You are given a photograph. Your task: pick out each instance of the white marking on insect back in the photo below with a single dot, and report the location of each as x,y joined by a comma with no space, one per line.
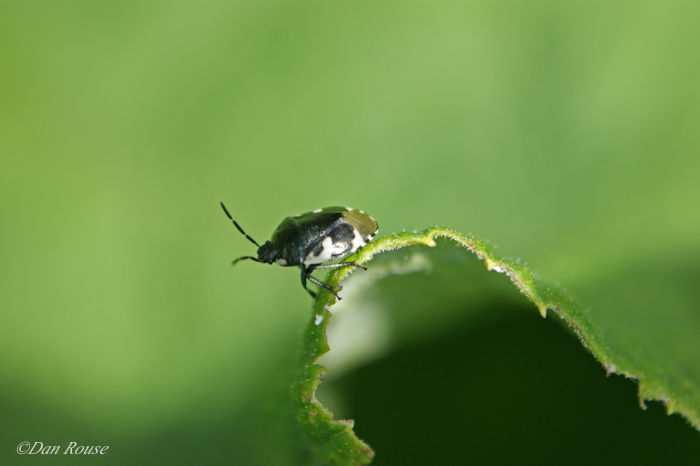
362,212
329,251
349,209
317,211
318,320
281,261
357,241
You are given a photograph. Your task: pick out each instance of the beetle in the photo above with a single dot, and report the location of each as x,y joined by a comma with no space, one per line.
312,239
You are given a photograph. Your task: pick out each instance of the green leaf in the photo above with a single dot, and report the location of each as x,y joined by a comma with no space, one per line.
334,441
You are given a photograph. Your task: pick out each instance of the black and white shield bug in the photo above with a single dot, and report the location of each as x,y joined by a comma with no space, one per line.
311,239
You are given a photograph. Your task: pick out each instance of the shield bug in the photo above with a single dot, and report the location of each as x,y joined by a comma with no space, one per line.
312,239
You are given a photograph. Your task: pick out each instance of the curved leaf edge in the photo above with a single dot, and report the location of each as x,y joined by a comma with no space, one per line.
335,441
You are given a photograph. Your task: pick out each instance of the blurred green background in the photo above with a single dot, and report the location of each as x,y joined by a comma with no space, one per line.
564,132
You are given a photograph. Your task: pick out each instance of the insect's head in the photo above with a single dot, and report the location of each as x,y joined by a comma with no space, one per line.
267,253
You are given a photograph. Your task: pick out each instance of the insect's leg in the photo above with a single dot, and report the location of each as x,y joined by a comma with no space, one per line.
304,274
341,264
325,285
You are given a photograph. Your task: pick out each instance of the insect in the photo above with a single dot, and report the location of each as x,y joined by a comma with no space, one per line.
311,239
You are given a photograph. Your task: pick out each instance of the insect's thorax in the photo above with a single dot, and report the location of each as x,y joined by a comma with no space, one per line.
289,243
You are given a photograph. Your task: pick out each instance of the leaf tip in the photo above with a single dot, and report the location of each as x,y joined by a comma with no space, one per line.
348,422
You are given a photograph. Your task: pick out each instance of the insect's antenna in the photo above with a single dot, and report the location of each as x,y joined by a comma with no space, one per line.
238,226
244,258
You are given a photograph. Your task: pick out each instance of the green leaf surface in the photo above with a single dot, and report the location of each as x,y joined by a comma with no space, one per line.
334,441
